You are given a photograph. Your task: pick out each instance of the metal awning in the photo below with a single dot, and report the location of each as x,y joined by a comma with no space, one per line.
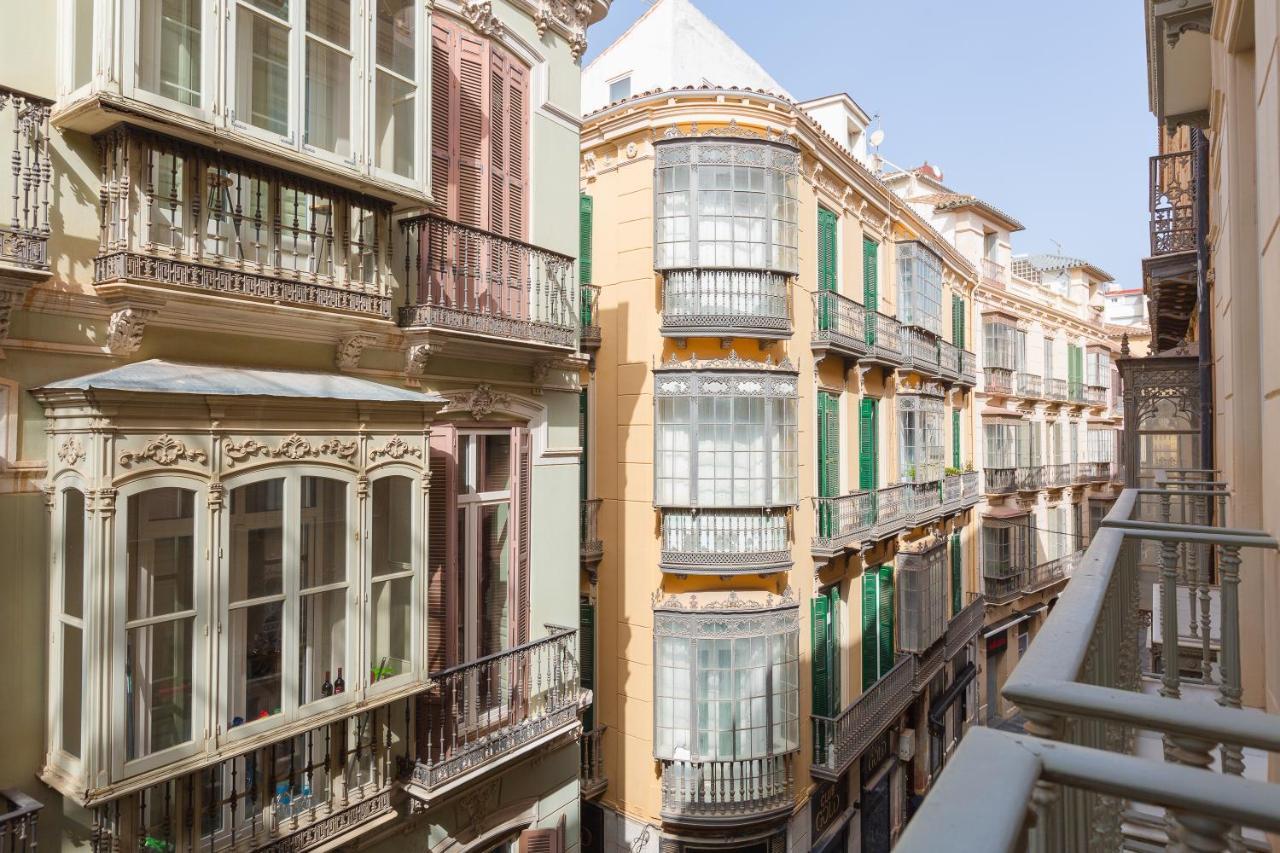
158,376
950,695
1011,620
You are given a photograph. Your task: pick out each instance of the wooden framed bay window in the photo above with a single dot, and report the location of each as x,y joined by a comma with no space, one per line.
70,619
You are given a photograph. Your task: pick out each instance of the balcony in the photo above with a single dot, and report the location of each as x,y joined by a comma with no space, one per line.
1096,395
188,229
968,369
997,381
1170,272
717,303
18,814
589,317
885,340
1172,203
1003,588
1127,746
994,274
1028,386
1059,476
839,741
948,361
481,286
591,778
858,518
965,626
1075,392
718,793
840,326
1055,390
999,481
1028,478
725,541
24,233
326,785
920,351
592,548
1050,572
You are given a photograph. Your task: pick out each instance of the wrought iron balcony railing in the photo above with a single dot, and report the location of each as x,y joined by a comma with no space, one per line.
490,707
994,274
1055,389
948,360
999,481
1029,478
190,219
1172,203
884,338
997,380
1059,475
1028,385
864,516
952,492
1096,395
588,316
725,541
1109,746
592,548
965,625
920,350
1075,391
722,303
1004,587
840,324
24,232
325,785
839,740
591,777
726,792
968,368
18,815
925,501
969,492
473,282
1051,571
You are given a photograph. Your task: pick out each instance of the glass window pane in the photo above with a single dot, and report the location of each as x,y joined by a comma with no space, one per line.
73,553
395,36
72,684
394,124
324,533
322,636
262,69
257,537
161,528
392,525
392,627
495,463
495,576
158,683
256,647
169,49
330,20
328,98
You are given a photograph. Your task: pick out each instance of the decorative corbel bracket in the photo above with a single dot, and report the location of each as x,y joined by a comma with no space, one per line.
350,347
416,358
125,329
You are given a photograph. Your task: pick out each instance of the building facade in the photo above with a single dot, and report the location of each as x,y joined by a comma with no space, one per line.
288,410
786,603
1047,410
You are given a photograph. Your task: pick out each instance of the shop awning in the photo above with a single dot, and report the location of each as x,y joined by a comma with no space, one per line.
949,696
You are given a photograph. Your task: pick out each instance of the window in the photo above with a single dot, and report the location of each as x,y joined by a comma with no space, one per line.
1002,444
392,597
869,443
958,311
1029,443
726,685
920,432
1000,339
486,551
396,104
877,624
957,574
989,245
922,590
620,89
69,636
828,444
479,130
1098,369
171,50
726,204
1005,547
725,439
828,250
1048,359
826,666
919,287
1101,444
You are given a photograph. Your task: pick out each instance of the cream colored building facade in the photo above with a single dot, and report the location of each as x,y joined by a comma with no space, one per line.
288,423
786,481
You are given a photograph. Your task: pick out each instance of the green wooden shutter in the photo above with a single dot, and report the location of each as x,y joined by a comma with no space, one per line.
820,659
870,285
585,209
584,436
826,249
870,627
957,578
833,645
886,619
868,456
957,320
828,445
955,438
587,654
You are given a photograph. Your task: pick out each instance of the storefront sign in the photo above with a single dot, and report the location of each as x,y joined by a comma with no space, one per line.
827,804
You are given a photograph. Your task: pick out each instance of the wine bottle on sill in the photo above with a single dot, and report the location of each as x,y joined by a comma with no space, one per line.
339,686
326,689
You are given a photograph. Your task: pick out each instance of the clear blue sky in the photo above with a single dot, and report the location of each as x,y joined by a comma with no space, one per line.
1038,107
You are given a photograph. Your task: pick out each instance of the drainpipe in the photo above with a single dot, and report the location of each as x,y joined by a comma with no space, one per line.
1200,155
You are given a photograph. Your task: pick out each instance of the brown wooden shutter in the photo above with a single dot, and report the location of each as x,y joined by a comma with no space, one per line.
508,83
439,528
544,840
524,508
444,97
473,127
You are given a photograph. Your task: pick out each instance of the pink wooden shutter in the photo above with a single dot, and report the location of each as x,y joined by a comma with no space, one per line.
524,508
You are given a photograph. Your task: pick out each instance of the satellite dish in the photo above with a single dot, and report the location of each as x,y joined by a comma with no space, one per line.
877,136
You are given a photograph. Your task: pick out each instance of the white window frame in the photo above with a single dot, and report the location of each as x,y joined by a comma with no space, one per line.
235,79
418,522
290,710
131,47
120,767
368,72
57,755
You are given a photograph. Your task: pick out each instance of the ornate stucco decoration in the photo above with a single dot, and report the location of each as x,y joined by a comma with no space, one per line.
125,328
395,448
568,17
479,13
70,451
478,803
294,447
733,601
730,362
416,358
8,301
350,347
164,450
481,402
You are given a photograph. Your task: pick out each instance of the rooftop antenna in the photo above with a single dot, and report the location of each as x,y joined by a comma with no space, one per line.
877,135
1056,244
